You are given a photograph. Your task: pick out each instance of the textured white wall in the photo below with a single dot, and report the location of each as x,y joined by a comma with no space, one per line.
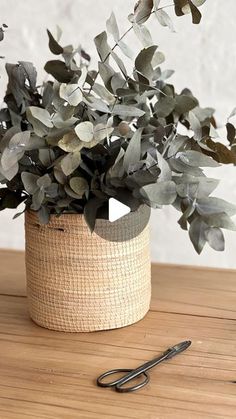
204,58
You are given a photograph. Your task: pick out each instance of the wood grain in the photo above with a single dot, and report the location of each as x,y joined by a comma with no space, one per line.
51,375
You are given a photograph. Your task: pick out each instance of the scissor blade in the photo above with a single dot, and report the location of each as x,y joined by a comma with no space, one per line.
177,349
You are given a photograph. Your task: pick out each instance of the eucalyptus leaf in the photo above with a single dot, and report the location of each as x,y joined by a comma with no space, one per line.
143,61
186,6
197,233
166,173
195,187
11,172
103,93
41,115
166,74
79,185
55,48
220,220
106,72
59,71
142,11
120,63
143,35
102,131
59,176
46,156
44,215
70,162
44,181
90,211
59,122
70,142
163,193
196,159
10,158
164,19
37,199
185,103
30,182
112,27
212,205
231,132
196,14
159,58
127,51
71,93
127,111
85,131
133,151
215,238
71,193
164,106
102,46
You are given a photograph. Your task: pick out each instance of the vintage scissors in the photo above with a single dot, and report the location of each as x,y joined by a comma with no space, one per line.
118,384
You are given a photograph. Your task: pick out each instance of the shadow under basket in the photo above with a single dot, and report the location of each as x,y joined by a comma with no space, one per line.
81,282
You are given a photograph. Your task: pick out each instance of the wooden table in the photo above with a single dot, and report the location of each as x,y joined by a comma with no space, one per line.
50,375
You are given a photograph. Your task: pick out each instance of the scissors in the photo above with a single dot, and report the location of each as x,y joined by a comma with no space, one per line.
119,384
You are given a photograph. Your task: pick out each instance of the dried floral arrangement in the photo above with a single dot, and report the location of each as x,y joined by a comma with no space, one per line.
85,136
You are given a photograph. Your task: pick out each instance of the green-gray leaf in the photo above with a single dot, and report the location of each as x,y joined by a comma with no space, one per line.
59,71
37,199
185,103
211,205
30,182
55,48
143,61
215,238
162,193
143,35
127,111
90,211
221,220
142,10
197,234
195,126
164,19
196,159
79,185
164,106
84,131
102,46
133,151
71,93
44,181
112,27
70,162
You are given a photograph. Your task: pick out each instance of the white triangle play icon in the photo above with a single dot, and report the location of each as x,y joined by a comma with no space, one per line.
117,209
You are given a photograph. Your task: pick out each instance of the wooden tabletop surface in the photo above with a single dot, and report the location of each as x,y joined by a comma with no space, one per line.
51,375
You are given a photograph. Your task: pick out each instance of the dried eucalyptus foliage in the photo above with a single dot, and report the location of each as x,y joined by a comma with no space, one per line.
85,136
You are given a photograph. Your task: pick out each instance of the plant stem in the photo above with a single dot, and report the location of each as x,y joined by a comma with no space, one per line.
122,37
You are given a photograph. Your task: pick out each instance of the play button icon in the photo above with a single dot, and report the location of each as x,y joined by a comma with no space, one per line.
116,210
116,227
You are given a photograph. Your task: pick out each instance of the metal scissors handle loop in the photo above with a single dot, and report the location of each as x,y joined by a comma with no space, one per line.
119,383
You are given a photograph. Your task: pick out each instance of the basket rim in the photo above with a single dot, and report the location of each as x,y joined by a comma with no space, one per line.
73,215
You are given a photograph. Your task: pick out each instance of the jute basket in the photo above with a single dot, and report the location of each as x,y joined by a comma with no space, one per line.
78,281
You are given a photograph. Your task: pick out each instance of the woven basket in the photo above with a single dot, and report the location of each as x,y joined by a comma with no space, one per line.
78,281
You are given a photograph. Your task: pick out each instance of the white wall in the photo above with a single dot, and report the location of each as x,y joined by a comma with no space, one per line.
204,58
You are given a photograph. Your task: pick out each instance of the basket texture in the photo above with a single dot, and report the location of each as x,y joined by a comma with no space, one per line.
80,282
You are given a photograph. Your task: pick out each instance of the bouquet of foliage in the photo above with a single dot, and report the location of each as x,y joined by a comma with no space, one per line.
85,136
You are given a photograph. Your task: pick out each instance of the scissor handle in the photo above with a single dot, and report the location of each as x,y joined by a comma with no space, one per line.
111,372
120,382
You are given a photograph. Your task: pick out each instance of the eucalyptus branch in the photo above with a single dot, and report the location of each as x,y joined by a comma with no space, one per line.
122,37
